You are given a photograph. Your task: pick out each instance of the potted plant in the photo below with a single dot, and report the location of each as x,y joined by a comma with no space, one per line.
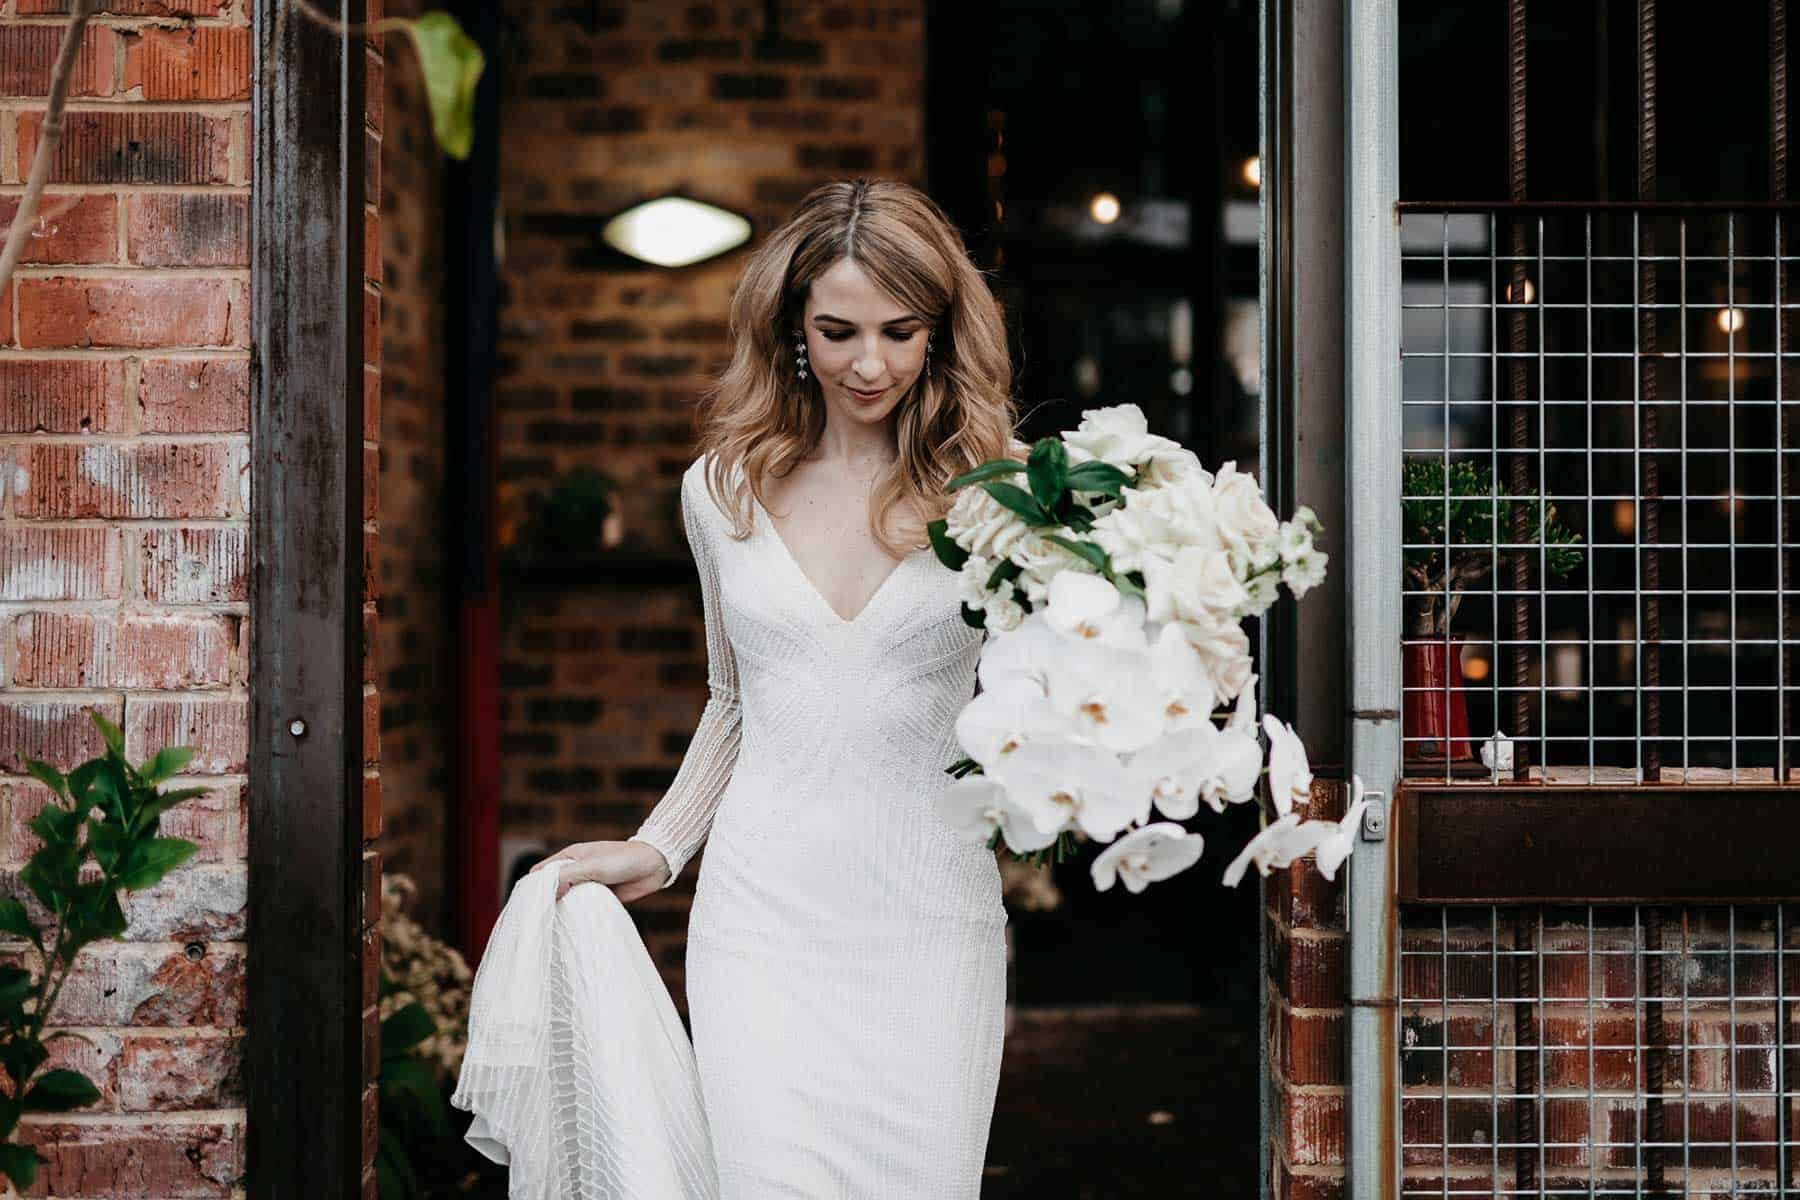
1452,521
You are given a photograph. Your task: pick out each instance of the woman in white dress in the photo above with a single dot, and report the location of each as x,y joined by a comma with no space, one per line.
845,958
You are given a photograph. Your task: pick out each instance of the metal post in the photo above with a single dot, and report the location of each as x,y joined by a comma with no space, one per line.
1372,551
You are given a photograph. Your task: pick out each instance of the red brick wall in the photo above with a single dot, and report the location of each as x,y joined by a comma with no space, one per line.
413,651
1307,1032
607,105
124,420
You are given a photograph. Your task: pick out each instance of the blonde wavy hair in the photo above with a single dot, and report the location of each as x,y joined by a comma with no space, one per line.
758,415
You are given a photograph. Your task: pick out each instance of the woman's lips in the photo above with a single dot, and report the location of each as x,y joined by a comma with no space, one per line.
862,395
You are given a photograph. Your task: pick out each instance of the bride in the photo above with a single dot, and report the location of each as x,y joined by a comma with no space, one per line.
845,954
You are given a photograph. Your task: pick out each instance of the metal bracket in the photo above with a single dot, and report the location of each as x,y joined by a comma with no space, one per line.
1375,818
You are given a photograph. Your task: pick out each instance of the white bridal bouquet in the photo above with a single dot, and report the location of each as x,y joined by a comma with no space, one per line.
1114,587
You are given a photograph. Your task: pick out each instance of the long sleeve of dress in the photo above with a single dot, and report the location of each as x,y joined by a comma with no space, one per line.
681,819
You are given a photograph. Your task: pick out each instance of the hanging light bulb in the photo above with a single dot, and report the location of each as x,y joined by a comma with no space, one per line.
1252,170
1104,208
675,231
1731,320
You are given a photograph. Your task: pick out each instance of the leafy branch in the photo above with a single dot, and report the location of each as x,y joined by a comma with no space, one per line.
120,808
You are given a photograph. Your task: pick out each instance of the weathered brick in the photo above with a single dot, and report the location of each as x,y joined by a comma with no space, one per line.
371,726
53,649
374,93
1313,1046
60,564
28,54
54,729
131,8
218,728
68,229
195,395
194,903
140,311
210,62
133,1159
196,565
372,260
95,1054
62,395
152,984
1312,1126
144,479
181,229
133,147
172,1071
215,822
371,807
371,482
371,327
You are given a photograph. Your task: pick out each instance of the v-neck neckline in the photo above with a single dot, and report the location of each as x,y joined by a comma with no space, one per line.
881,588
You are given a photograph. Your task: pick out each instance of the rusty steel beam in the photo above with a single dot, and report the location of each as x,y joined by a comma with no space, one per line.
1598,845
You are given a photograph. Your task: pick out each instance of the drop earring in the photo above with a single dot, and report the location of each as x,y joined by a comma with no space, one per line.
927,369
800,352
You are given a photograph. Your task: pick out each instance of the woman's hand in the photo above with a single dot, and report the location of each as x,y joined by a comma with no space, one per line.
632,869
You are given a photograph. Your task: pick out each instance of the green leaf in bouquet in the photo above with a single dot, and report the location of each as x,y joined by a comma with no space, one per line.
1047,469
20,1164
1093,554
166,764
111,734
15,920
1005,571
1078,517
1097,476
1019,501
59,1091
993,468
963,766
975,618
148,862
946,549
1130,584
405,1028
48,775
451,62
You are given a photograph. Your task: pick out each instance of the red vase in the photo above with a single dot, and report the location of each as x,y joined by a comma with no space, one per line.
1434,706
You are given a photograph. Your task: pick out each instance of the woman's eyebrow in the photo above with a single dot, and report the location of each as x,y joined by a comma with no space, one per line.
840,321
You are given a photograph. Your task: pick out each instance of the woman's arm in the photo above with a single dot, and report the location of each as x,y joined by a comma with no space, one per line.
681,819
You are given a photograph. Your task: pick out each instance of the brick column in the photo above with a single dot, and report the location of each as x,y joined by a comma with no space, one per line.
1307,1029
124,429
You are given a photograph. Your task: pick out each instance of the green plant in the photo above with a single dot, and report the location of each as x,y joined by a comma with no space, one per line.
1457,526
570,517
411,1107
120,809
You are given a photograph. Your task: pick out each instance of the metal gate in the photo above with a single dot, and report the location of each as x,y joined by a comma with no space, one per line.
1573,449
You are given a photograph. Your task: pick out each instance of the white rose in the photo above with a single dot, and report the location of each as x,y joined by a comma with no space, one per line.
971,581
1198,584
1224,650
982,525
1242,513
1003,612
1175,467
1119,435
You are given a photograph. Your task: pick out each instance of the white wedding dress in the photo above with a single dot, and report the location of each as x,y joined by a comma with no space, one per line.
846,952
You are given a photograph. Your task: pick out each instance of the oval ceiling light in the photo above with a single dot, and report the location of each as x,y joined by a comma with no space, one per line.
675,232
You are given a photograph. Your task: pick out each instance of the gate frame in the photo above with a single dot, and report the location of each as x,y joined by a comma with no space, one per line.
305,969
1371,318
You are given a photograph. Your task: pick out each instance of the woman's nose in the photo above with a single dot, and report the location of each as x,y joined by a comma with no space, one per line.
868,368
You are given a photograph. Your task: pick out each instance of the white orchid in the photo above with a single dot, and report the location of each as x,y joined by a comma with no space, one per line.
1337,839
1006,716
1076,785
975,806
1195,764
1145,856
1119,435
1278,845
1025,652
1182,681
1091,609
1290,776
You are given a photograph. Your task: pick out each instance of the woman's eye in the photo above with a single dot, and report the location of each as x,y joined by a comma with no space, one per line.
906,336
835,337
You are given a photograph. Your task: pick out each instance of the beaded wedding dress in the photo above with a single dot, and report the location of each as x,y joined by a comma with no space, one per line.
846,953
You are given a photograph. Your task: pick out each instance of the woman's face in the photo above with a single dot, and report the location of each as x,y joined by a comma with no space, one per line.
864,349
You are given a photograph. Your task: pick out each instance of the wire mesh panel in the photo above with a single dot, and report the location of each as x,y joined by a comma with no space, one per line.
1598,1051
1597,494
